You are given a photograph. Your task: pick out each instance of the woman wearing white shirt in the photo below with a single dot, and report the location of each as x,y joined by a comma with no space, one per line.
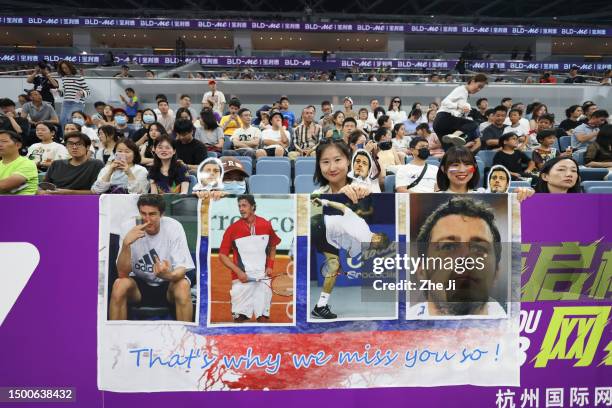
45,152
450,122
123,174
395,111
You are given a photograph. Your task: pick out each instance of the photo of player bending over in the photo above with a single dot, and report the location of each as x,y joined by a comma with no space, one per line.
152,263
251,241
338,227
460,227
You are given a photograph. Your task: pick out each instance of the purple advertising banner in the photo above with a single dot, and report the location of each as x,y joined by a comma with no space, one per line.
49,335
446,29
300,62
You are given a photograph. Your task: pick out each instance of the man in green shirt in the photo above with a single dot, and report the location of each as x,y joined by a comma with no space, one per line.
18,175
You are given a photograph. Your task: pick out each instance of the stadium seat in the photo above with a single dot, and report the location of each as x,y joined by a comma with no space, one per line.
600,190
274,167
390,183
269,184
212,154
564,142
185,206
588,174
487,157
586,185
304,184
520,183
305,167
192,182
433,161
579,157
273,158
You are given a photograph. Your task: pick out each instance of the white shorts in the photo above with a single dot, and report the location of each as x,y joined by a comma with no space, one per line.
250,298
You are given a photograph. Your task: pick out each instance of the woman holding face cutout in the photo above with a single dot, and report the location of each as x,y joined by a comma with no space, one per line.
210,175
363,170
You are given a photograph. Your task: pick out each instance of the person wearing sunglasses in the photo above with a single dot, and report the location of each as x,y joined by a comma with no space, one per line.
395,111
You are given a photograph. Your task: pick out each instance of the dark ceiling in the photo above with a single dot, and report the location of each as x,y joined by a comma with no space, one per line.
551,12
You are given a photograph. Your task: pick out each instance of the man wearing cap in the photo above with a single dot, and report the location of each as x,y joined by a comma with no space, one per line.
77,174
348,108
275,139
284,110
121,121
234,176
214,97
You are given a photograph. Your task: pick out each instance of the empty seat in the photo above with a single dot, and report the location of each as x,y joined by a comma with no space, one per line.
586,185
600,190
588,174
269,184
487,157
390,183
520,183
274,167
304,184
193,180
565,142
305,167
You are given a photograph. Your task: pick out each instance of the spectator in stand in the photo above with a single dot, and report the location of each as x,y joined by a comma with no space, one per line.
348,126
506,103
189,150
539,109
185,102
435,147
586,133
412,122
276,139
37,111
335,133
607,78
573,114
490,114
97,117
167,175
588,108
43,82
77,174
165,117
559,176
149,74
372,117
123,174
326,120
401,141
599,153
9,120
108,140
158,112
146,149
22,99
548,78
520,126
362,121
183,113
573,77
108,116
417,176
307,135
358,140
230,122
81,119
458,172
246,139
131,104
287,114
545,151
387,158
490,136
215,97
124,73
46,151
395,111
74,89
518,163
479,112
210,133
121,124
348,108
148,118
18,175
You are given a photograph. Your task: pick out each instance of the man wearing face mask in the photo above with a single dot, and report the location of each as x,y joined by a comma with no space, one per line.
234,176
418,176
121,121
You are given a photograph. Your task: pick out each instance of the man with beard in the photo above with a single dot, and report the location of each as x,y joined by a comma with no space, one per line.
460,228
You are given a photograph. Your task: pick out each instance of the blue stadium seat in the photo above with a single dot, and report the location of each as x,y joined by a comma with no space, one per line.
487,157
390,183
481,172
193,180
520,183
274,167
433,161
579,157
269,184
600,190
588,174
565,142
586,185
304,184
273,158
212,154
305,167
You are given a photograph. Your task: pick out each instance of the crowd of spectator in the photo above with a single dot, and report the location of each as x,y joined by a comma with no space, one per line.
136,149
